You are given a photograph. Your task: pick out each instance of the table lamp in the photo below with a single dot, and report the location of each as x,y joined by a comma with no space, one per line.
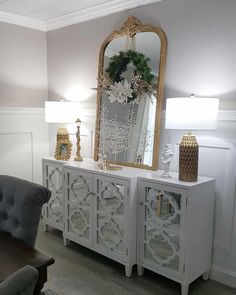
190,113
63,112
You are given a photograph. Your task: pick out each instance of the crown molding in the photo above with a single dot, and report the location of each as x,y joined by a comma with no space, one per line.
107,8
18,20
93,12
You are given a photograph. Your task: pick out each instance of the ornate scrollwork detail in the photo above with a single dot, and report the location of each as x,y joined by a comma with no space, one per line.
55,207
110,234
80,189
78,221
131,27
111,197
161,238
154,209
57,173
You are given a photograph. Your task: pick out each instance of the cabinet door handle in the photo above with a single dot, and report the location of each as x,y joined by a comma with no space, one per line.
141,203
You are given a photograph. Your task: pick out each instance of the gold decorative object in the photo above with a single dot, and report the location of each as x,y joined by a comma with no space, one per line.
132,27
188,158
78,156
63,146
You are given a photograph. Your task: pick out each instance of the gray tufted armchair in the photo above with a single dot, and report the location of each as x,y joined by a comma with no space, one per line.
22,282
20,208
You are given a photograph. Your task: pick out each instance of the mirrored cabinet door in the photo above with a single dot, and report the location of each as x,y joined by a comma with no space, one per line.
162,212
78,207
110,207
53,211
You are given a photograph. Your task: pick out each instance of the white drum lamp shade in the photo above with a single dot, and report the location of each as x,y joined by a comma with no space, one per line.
190,113
64,112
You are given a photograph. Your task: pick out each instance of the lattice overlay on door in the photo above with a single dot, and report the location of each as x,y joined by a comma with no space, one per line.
110,216
162,227
55,184
79,207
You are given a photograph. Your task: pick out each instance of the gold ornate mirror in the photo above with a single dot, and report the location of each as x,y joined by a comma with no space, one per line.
129,96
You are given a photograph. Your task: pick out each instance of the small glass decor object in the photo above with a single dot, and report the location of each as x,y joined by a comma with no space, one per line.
78,156
166,157
101,162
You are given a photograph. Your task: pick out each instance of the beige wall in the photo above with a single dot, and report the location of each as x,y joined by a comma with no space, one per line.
201,48
201,53
23,66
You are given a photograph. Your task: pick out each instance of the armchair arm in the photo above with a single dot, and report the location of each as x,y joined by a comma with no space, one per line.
22,282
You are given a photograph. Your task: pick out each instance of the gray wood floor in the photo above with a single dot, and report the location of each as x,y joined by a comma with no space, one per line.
79,271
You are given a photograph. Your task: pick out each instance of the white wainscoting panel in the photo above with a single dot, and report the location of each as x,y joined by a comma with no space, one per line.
23,142
217,158
16,154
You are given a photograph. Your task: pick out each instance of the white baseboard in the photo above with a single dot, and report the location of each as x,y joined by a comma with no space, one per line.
223,276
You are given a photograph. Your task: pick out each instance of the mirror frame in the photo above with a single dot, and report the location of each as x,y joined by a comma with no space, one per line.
131,27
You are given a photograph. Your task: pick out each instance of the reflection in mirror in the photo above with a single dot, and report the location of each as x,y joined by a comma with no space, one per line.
130,86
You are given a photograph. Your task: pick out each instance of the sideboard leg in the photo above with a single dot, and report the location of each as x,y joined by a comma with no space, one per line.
45,227
128,270
140,270
205,276
184,289
66,242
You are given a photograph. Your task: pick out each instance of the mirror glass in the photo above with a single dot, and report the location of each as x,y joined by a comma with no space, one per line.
129,99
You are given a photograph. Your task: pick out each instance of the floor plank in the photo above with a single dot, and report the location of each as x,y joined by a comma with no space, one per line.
79,271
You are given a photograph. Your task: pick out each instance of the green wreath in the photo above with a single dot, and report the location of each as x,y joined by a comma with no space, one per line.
118,65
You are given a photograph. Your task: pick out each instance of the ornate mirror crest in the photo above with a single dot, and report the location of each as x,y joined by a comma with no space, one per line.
129,95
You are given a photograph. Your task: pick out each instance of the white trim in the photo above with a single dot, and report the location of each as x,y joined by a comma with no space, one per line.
21,111
82,15
96,11
223,276
227,115
23,21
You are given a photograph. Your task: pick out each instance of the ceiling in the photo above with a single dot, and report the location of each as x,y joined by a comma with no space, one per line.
48,15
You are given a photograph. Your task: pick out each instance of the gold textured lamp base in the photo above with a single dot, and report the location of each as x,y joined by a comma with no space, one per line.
188,159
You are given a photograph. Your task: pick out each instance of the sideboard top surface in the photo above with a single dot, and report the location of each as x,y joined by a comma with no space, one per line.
129,173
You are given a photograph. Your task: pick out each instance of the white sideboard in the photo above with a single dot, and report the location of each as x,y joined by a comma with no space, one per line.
53,178
176,228
133,216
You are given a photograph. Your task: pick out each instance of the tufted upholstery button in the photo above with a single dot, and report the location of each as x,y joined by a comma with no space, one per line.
20,207
3,215
15,222
11,201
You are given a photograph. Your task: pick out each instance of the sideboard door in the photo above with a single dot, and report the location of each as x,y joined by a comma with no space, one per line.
162,228
111,203
78,206
53,211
